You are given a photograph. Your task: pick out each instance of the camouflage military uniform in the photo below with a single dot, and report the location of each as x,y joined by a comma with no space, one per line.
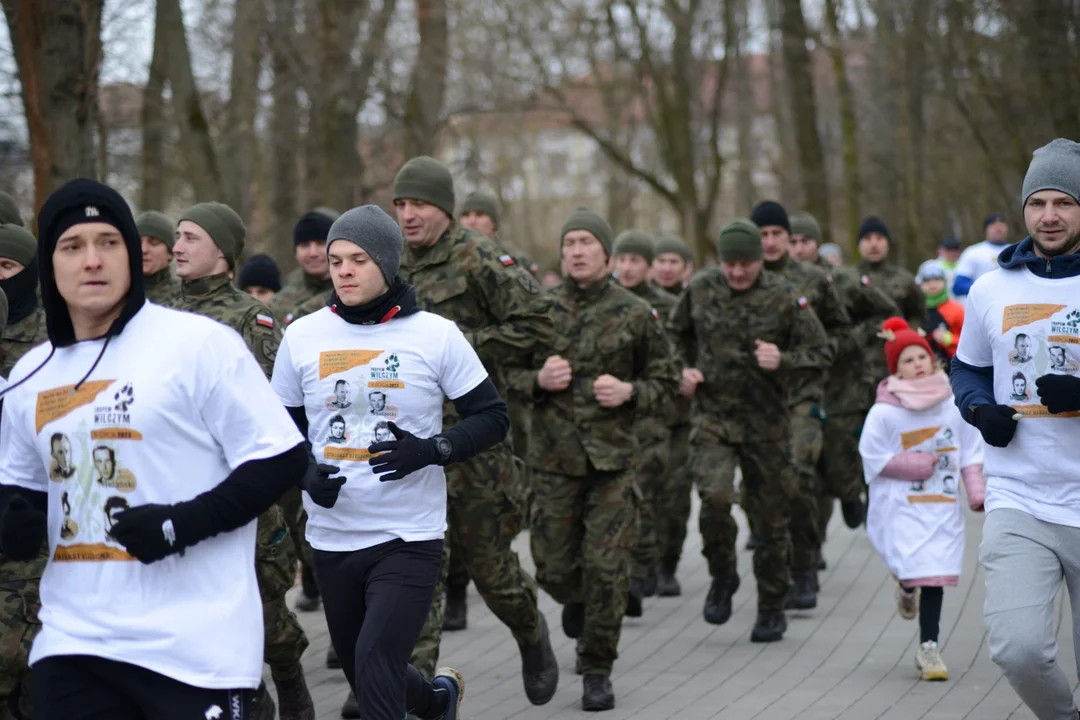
741,414
162,286
583,456
807,408
653,435
299,288
499,308
19,581
216,297
852,381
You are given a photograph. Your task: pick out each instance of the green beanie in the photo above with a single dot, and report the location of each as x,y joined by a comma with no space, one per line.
483,202
9,210
3,310
224,226
671,244
16,243
803,223
157,225
585,219
425,178
634,242
740,240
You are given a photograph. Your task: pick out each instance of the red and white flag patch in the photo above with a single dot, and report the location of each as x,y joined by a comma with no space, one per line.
506,260
804,303
866,280
655,314
264,320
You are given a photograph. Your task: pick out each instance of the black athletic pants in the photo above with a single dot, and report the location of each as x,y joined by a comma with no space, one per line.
85,687
376,601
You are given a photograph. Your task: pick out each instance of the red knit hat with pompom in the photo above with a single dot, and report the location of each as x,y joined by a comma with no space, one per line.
899,335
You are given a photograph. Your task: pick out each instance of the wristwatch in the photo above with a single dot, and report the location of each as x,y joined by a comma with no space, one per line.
633,396
445,448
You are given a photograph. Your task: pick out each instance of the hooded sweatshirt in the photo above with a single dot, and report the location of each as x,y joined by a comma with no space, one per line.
915,451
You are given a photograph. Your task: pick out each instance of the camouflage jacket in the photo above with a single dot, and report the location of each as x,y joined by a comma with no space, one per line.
216,297
520,256
467,278
604,330
162,286
299,288
814,285
678,409
312,304
852,381
714,329
19,337
898,284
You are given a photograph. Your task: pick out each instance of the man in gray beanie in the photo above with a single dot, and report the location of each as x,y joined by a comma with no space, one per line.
374,231
464,276
1031,534
158,233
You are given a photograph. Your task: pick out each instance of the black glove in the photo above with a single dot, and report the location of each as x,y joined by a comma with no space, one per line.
405,455
23,529
322,488
1059,393
150,532
996,423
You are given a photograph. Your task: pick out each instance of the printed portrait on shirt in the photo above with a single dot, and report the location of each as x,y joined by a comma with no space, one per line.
379,404
341,399
114,505
1060,363
61,464
337,434
1020,392
382,432
948,485
68,529
1022,351
108,472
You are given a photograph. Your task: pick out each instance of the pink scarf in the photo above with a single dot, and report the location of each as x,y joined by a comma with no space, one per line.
921,394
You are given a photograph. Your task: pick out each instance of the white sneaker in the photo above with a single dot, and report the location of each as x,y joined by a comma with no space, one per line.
907,603
929,663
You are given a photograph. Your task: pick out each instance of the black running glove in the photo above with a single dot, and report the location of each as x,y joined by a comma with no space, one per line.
151,532
995,422
322,488
23,529
406,454
1059,393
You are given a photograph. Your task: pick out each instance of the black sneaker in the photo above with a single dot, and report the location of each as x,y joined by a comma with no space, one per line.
854,512
651,583
667,585
573,620
598,694
770,626
455,615
718,603
802,595
634,607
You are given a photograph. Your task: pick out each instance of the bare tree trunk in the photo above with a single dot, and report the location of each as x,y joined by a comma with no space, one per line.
800,75
849,130
102,147
196,144
57,47
284,133
745,192
239,131
788,171
153,126
428,84
915,125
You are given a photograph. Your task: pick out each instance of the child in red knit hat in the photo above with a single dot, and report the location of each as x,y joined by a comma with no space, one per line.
915,447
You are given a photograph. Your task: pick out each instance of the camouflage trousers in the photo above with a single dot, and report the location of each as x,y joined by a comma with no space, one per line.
583,532
19,625
651,476
673,503
483,513
275,568
292,506
841,465
770,482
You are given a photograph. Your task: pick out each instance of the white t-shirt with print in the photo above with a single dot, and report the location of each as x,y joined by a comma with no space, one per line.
918,527
176,403
1025,326
978,260
354,379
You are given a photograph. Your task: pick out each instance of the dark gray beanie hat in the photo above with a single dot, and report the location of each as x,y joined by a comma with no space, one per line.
634,242
425,178
369,227
483,202
1054,166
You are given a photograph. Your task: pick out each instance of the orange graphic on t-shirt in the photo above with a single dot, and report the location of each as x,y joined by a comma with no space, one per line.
1041,411
340,453
915,437
932,499
386,384
115,433
59,402
89,552
1063,339
336,361
1017,315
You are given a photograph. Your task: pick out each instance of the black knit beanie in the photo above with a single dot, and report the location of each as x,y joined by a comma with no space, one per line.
874,225
770,212
260,271
315,225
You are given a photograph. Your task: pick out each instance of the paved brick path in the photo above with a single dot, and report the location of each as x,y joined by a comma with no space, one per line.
850,659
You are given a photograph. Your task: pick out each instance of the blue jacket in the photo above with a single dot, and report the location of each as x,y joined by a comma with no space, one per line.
974,385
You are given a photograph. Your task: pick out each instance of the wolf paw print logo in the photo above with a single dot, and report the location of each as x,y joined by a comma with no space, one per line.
1073,319
124,397
392,363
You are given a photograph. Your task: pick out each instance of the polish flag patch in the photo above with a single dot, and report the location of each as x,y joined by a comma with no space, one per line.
264,320
506,260
803,302
655,314
866,280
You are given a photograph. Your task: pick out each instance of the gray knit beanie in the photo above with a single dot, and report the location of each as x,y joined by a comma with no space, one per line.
369,227
1055,166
